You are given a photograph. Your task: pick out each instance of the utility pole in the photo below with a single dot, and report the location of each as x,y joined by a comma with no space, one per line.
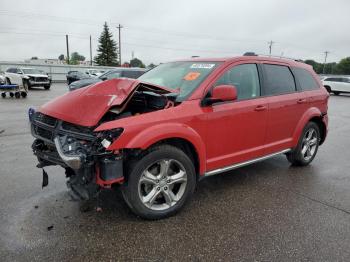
90,52
120,45
270,46
67,45
325,60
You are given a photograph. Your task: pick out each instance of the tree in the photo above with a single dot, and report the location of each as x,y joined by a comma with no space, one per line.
317,66
151,65
61,57
343,67
107,49
75,58
136,63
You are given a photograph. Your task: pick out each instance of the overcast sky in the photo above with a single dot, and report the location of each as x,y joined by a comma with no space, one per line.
159,30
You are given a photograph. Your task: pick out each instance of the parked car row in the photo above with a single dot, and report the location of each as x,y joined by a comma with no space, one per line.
76,80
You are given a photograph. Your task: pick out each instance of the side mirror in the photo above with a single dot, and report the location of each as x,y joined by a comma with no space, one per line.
222,93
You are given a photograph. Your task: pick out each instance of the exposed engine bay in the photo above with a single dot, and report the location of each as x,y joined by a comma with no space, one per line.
83,153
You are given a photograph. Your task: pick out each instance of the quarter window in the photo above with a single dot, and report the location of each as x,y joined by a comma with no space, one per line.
245,78
306,81
279,80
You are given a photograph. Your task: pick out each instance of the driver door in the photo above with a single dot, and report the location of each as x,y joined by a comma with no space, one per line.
236,130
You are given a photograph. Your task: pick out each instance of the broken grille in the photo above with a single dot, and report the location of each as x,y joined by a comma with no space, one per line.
45,119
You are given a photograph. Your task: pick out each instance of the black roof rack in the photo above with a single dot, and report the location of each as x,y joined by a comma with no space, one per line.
250,54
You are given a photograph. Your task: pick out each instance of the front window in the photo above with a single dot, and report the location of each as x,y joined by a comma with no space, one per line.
245,78
184,77
31,71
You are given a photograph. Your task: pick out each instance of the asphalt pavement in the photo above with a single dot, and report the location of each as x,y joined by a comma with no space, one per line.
269,211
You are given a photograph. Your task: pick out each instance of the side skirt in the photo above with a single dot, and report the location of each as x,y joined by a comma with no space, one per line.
246,163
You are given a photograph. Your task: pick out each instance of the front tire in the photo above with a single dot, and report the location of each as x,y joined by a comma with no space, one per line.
336,93
47,87
159,183
307,147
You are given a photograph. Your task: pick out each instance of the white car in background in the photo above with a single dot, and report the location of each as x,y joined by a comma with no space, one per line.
337,84
28,77
93,72
2,78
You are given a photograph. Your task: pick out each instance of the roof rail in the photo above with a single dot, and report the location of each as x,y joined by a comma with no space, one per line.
283,57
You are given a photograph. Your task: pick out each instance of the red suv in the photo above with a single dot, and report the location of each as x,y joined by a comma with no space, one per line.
158,135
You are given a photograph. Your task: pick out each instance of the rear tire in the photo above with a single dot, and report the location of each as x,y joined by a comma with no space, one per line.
17,95
159,183
3,95
7,81
336,93
47,87
307,147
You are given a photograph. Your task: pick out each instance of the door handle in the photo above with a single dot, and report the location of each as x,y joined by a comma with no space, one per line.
260,108
301,101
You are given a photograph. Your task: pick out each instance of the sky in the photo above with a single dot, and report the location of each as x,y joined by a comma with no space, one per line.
157,31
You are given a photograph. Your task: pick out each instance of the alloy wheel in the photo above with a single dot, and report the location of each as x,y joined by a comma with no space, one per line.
162,184
309,144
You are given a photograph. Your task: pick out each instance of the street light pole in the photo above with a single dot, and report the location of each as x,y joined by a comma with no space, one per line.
120,44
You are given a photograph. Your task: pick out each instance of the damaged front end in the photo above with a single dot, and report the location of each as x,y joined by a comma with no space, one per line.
64,132
89,166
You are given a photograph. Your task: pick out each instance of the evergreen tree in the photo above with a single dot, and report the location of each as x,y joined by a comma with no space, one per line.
107,49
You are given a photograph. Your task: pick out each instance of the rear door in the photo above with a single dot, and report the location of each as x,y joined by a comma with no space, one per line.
286,106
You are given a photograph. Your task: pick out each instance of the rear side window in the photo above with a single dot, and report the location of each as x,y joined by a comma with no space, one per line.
306,81
279,80
245,78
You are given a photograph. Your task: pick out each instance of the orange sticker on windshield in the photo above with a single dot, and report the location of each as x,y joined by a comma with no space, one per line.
192,76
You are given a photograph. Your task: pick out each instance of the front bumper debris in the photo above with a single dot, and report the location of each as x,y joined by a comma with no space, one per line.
88,165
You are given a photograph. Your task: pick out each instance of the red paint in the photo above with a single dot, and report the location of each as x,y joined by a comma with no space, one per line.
222,134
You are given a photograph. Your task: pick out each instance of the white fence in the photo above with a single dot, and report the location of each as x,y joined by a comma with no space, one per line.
57,72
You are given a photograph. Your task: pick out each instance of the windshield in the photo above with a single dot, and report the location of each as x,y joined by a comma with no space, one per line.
31,71
110,75
182,76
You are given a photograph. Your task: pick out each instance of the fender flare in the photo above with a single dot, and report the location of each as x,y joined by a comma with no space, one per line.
154,134
307,116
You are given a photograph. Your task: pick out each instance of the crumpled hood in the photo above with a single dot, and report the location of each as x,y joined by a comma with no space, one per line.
87,105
